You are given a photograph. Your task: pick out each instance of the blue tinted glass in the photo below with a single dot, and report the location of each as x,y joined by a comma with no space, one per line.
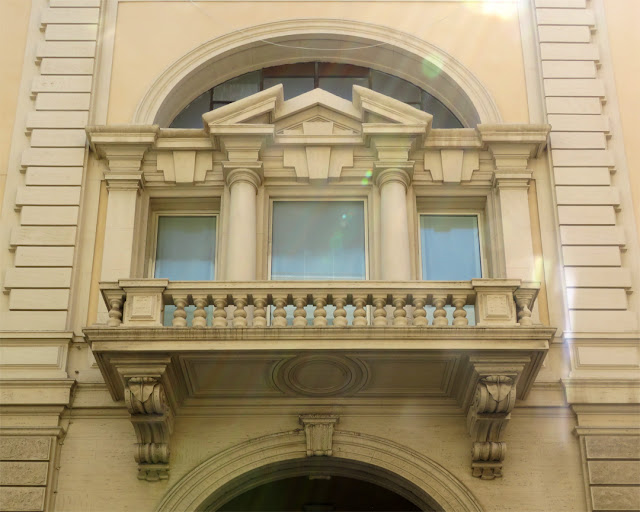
318,240
186,248
450,247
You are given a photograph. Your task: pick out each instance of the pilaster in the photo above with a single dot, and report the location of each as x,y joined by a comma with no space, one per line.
511,148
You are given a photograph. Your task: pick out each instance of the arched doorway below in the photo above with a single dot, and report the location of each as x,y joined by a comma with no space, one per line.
319,484
319,493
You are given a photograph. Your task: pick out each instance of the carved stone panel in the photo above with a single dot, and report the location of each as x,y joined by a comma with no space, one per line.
318,430
152,421
487,419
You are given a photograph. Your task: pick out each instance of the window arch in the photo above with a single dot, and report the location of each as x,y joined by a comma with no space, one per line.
302,77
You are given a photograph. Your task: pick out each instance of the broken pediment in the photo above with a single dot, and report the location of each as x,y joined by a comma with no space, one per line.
318,105
317,130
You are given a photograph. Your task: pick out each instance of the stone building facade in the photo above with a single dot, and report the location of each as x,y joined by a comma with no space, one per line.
233,255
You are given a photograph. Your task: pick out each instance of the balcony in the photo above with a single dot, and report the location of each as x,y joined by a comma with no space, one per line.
336,342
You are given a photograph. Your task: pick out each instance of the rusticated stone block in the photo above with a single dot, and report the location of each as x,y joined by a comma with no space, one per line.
615,498
24,448
623,472
23,473
22,499
613,447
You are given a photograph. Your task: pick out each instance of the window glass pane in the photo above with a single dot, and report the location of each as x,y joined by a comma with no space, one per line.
340,70
450,247
395,87
318,240
186,248
292,86
442,116
297,69
342,86
191,116
237,88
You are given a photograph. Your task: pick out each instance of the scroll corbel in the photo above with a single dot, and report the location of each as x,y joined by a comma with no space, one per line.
487,419
152,420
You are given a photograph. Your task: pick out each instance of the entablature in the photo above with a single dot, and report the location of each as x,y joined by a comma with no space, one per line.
319,137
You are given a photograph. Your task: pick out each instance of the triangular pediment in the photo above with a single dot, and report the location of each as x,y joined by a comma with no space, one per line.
267,111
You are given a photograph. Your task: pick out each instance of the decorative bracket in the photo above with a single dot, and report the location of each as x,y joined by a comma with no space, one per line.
318,430
487,419
145,396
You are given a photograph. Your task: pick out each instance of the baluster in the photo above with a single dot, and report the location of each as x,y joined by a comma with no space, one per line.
320,314
200,315
115,313
300,315
440,315
220,313
179,315
259,312
460,314
400,315
419,313
240,314
340,314
379,314
360,314
524,313
279,313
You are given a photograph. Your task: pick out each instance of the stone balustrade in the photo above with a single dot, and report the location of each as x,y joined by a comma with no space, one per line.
317,304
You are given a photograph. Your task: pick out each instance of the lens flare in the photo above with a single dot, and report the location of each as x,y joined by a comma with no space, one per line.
503,9
433,67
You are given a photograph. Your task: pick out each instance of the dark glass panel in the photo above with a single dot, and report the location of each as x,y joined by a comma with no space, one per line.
293,86
191,115
340,70
237,88
342,86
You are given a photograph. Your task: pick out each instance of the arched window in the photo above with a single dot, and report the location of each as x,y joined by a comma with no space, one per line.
302,77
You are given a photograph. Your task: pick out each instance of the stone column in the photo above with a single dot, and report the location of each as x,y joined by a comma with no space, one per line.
241,238
395,261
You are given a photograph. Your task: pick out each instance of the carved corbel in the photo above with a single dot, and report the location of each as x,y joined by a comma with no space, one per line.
487,419
318,430
151,405
152,421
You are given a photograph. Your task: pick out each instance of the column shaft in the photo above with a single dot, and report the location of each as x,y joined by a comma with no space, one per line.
395,261
241,239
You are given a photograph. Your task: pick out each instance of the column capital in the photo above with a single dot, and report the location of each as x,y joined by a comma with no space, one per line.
512,146
384,173
123,147
248,172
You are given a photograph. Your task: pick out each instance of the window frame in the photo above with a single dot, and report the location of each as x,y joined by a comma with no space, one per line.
479,213
186,211
319,198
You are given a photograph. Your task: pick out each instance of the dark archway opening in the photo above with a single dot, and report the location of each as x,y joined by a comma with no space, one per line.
319,493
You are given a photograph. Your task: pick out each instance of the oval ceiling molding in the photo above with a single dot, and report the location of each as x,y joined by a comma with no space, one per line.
320,375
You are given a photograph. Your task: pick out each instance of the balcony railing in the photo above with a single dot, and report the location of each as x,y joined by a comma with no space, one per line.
262,304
